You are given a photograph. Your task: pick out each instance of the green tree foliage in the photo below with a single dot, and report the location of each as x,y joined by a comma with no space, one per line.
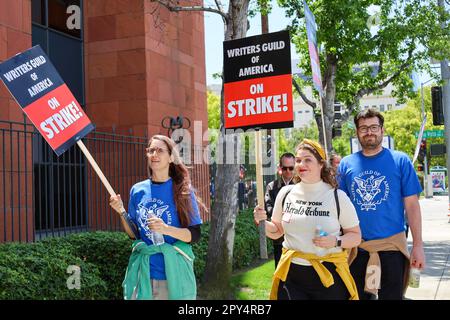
361,54
341,144
213,105
401,125
287,142
213,102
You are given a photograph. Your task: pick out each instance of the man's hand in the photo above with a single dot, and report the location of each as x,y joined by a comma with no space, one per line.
417,258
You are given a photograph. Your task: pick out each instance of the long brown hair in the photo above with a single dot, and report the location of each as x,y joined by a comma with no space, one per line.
182,188
326,174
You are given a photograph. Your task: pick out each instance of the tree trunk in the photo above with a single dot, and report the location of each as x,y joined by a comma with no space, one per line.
223,216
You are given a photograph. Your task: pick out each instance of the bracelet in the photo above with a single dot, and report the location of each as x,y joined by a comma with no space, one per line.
124,215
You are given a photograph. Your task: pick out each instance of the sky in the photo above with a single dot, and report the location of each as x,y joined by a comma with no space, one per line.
214,32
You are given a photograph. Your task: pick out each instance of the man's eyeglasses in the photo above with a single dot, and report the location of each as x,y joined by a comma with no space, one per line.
373,128
158,150
287,168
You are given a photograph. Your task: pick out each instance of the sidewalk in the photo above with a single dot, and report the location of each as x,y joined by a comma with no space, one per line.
435,279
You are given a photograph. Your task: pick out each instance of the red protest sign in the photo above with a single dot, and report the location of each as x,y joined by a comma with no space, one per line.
258,82
259,101
44,97
58,116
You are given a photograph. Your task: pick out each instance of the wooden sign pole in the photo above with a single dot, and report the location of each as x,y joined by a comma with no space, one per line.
97,169
260,194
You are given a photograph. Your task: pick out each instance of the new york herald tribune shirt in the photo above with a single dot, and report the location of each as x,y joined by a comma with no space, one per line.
305,207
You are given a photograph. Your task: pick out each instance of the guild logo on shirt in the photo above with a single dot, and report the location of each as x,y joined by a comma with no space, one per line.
369,189
152,207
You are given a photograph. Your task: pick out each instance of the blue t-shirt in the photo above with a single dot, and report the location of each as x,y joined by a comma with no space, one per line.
377,185
162,203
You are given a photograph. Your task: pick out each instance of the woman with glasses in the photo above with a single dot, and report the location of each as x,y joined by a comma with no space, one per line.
311,215
164,218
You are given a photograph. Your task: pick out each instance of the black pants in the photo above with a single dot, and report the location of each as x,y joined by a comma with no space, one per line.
392,274
303,283
277,250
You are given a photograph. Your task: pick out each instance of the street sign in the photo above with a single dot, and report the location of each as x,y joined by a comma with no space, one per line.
431,134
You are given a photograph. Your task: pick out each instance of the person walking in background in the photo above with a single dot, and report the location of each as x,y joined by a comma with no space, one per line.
286,171
382,184
163,211
241,195
335,159
311,215
251,194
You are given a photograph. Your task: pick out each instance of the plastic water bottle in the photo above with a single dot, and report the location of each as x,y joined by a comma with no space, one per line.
414,277
156,237
320,233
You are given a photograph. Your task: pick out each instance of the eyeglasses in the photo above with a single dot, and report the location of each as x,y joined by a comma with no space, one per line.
287,168
158,150
373,128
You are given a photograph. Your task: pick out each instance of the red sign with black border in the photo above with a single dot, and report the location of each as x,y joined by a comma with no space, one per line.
45,98
258,82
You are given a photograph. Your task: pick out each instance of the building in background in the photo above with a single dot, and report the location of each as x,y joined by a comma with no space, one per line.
132,65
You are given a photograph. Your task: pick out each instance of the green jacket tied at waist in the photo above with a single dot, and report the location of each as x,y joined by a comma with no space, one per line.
179,269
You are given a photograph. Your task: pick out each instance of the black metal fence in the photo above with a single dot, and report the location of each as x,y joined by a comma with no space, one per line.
16,181
42,195
123,161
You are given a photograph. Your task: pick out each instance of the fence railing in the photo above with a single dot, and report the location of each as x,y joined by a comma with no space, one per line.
42,195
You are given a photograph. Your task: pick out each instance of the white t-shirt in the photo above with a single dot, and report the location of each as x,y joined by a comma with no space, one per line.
307,206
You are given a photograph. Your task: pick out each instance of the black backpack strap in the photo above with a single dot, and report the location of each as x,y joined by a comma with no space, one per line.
284,198
338,208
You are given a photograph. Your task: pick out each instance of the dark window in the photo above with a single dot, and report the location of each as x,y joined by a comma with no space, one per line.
66,54
38,12
64,46
60,182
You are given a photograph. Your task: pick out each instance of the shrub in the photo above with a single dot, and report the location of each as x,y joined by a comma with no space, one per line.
109,251
200,250
38,271
246,241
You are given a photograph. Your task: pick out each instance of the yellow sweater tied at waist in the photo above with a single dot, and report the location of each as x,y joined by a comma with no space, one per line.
338,259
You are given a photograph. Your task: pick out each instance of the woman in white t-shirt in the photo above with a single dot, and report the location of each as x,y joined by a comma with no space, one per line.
313,266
